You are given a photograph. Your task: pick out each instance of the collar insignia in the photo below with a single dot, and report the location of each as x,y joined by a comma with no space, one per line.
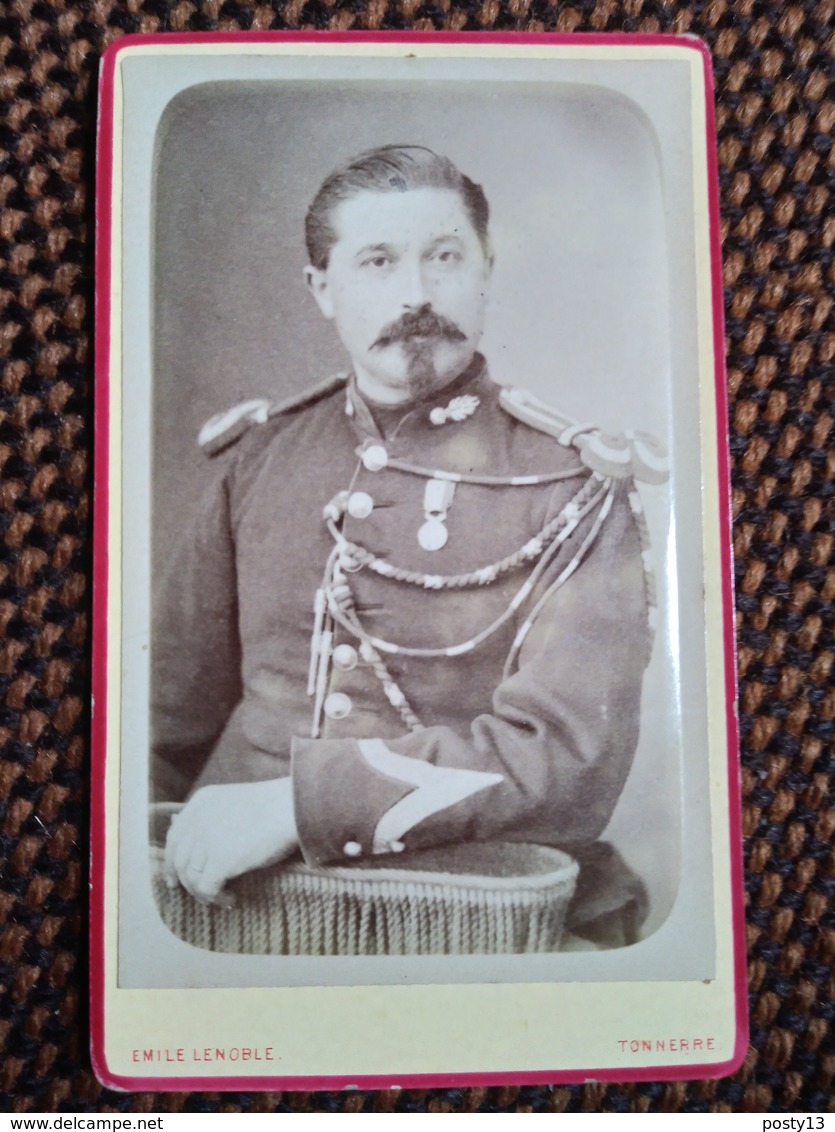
458,409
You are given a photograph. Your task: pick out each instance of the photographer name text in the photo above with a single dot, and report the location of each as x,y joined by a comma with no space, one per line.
182,1055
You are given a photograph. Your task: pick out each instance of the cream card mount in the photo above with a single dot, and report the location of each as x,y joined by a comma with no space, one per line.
414,678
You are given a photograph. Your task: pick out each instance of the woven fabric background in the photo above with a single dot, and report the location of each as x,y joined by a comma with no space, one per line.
776,112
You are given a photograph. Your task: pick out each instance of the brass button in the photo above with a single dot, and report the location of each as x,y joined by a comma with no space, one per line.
360,504
352,849
345,657
348,563
338,705
375,458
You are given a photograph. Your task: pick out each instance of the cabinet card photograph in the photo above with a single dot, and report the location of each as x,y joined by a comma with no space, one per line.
414,667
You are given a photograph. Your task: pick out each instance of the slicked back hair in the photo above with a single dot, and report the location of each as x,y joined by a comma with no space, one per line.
389,169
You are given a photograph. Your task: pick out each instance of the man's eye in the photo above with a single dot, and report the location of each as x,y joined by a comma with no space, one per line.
376,261
447,255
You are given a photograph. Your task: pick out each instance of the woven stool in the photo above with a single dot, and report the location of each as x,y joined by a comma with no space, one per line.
468,899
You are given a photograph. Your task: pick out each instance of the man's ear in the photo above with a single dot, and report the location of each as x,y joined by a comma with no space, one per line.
316,279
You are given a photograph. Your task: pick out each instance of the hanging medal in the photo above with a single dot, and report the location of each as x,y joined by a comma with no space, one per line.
437,499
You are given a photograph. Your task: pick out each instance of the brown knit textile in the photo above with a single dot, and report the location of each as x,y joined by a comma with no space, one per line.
776,111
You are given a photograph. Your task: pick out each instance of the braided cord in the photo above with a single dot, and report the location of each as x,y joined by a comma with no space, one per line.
650,587
393,691
343,612
559,581
484,481
322,646
533,549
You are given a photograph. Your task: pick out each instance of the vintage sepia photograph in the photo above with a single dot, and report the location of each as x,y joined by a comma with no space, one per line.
415,685
402,628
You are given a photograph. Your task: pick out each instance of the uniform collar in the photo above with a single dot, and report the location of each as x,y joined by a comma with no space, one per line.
371,419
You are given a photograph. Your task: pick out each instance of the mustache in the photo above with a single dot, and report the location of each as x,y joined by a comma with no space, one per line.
424,323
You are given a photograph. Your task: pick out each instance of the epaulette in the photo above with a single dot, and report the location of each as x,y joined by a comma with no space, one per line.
635,454
224,429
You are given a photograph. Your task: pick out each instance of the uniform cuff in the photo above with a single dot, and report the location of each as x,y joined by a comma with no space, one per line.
339,799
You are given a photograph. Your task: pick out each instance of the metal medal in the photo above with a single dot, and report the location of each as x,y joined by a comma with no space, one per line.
433,534
437,499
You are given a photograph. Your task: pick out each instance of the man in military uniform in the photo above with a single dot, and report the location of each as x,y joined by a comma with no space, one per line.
412,610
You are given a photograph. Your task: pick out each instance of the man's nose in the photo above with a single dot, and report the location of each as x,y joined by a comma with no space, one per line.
413,285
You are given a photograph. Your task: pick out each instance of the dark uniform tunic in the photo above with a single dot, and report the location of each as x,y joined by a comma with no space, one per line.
417,668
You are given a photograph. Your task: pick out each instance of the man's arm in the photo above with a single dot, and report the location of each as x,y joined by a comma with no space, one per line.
547,764
196,654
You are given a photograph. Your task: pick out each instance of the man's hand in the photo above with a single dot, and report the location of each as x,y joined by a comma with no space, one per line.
224,831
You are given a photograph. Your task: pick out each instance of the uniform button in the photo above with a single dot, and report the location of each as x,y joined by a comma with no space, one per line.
345,657
337,705
397,846
360,505
375,458
352,849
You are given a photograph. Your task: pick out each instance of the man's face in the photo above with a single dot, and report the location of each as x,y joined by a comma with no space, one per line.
406,284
